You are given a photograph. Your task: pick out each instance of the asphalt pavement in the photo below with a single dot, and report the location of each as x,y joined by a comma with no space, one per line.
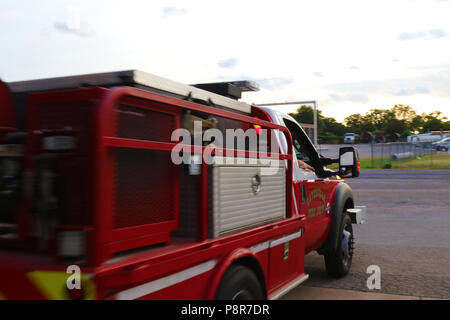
407,234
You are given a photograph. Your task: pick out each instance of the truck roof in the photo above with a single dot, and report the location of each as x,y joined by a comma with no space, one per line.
134,78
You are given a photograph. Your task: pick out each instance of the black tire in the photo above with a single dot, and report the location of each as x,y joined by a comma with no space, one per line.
338,263
239,283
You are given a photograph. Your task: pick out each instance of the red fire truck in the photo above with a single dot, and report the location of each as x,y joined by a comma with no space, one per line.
93,205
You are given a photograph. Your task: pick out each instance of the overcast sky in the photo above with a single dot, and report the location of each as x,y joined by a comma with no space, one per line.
351,56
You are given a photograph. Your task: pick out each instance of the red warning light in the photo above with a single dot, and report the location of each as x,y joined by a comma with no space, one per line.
257,128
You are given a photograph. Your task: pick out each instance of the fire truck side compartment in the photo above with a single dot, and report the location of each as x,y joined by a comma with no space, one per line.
240,203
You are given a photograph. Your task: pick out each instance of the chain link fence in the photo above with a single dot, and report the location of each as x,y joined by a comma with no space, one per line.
384,155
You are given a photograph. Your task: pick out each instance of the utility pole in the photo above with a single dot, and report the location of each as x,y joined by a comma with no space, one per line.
301,103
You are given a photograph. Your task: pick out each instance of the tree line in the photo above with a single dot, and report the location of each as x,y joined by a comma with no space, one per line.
399,121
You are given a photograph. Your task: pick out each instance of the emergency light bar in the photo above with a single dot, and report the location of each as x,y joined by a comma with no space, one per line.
231,89
246,85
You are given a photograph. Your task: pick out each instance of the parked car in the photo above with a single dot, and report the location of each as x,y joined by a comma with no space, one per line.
367,137
351,138
424,137
443,144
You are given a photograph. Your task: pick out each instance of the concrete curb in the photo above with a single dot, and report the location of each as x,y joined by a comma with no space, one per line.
319,293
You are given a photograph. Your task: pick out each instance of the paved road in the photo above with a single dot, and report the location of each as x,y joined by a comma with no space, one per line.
316,293
407,234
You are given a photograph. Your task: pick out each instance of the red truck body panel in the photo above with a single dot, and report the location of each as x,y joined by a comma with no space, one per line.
7,111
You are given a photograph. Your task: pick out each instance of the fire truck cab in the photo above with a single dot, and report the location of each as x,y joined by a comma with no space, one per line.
126,185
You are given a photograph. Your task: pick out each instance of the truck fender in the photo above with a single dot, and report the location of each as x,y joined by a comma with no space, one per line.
242,256
343,199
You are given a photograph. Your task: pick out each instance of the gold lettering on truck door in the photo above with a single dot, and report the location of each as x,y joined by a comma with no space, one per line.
316,194
311,212
319,210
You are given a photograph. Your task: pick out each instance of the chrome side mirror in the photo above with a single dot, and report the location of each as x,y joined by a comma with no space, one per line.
349,165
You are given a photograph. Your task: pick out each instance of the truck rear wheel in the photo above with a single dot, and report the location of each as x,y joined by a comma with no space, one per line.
239,283
339,262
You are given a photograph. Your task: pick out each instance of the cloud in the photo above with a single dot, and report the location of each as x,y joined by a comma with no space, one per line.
410,92
274,83
353,97
8,16
411,36
438,33
434,81
355,68
173,11
227,63
444,67
318,74
81,30
424,35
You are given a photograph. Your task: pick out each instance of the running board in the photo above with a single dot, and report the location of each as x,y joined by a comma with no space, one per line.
291,285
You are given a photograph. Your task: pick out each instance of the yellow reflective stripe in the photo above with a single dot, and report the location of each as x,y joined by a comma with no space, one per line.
2,297
53,284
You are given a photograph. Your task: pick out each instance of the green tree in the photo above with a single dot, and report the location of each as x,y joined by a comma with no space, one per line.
401,119
379,118
396,126
416,124
328,128
433,121
305,114
354,121
403,112
359,124
331,126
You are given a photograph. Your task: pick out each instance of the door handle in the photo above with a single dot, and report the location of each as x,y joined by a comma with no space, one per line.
302,186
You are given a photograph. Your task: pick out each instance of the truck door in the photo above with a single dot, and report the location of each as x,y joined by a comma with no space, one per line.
286,252
313,194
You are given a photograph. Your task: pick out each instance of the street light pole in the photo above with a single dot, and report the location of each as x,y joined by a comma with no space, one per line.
313,102
315,123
